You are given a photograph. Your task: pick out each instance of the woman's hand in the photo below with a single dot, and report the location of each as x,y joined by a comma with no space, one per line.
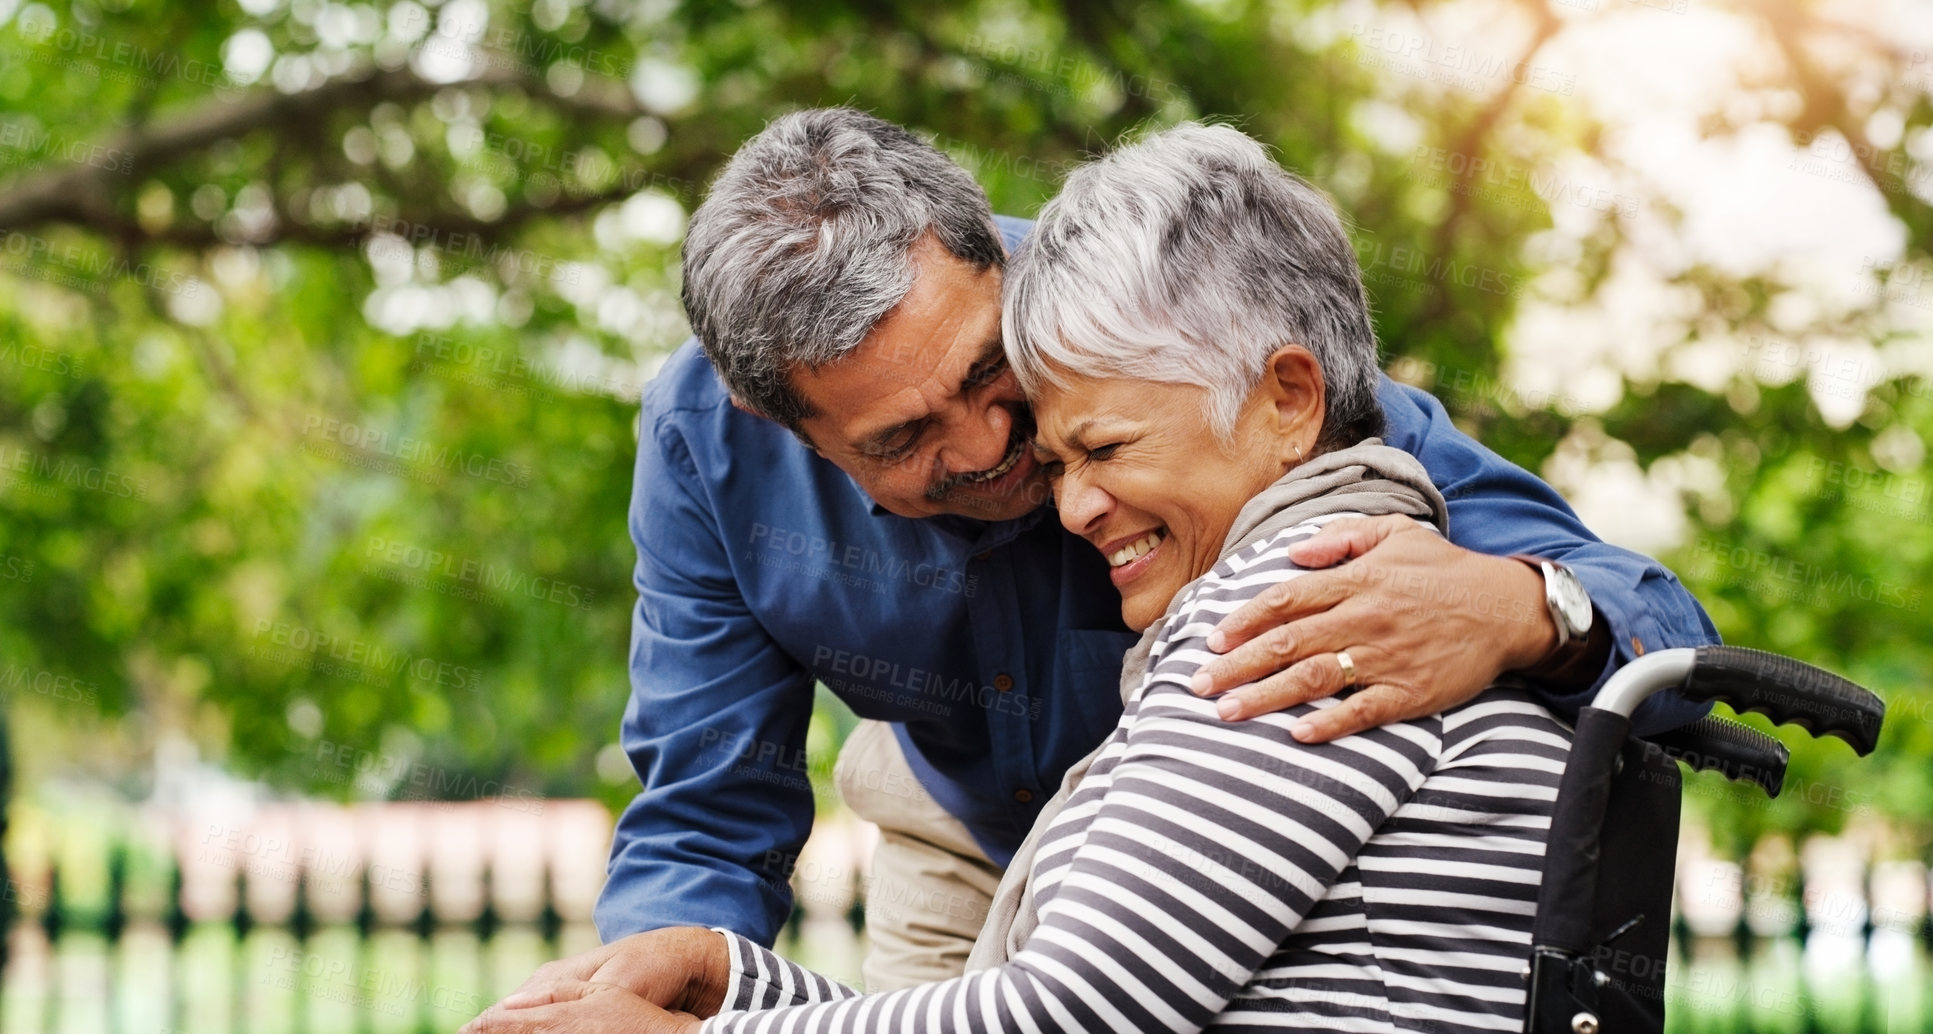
583,1007
684,969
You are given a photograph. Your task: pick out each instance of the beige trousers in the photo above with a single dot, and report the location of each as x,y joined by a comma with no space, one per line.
930,885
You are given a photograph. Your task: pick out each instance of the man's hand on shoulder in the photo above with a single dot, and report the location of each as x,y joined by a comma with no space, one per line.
1427,625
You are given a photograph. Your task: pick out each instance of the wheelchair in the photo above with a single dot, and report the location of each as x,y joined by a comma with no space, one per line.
1602,931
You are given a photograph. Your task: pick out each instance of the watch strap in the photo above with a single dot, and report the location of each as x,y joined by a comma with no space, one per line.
1547,570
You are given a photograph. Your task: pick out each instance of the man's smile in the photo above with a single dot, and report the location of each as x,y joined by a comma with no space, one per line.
1001,479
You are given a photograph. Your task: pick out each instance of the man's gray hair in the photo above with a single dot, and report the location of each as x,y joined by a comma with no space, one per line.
803,246
1190,256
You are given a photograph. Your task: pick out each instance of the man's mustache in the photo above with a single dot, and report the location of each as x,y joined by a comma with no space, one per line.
1021,433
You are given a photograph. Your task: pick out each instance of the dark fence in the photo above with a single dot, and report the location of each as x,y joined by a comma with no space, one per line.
265,916
290,916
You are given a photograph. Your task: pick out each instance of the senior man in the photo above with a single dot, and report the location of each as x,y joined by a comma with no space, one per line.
838,489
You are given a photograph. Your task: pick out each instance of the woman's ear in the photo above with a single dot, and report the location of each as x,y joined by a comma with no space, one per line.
1294,386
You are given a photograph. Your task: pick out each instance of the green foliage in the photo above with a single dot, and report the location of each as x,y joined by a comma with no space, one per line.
317,391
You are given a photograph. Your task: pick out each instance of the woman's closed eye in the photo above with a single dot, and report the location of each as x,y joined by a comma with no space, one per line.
1054,468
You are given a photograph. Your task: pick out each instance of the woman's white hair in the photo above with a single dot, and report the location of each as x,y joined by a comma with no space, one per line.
1190,256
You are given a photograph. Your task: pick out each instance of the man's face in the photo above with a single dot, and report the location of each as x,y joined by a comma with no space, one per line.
924,414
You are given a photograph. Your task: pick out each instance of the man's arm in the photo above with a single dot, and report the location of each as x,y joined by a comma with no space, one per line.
1499,508
1427,624
716,710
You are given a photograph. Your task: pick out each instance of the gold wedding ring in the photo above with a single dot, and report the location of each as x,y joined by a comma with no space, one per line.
1348,668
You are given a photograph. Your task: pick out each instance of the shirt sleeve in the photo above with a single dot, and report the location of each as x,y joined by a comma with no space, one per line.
1210,844
761,979
715,727
1499,508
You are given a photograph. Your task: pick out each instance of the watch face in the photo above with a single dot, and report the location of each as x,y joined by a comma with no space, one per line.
1571,599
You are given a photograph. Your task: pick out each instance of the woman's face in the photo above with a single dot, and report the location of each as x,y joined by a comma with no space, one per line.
1138,472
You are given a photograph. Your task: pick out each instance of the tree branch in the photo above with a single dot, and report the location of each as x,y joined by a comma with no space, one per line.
1826,104
83,194
1438,303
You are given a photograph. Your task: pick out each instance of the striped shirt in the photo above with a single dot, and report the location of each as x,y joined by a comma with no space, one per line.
1221,874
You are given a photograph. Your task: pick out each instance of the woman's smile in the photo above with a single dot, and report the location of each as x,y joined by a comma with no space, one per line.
1129,558
1152,485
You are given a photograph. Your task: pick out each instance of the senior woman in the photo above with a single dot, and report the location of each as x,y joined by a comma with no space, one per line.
1190,324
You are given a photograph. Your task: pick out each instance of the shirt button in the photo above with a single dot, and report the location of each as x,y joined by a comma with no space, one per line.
983,556
1023,796
1003,682
1637,647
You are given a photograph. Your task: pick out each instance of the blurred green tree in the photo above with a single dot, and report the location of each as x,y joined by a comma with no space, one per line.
322,326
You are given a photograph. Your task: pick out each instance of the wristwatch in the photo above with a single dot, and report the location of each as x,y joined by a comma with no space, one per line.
1565,598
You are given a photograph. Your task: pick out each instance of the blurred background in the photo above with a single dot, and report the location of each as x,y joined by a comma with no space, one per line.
322,328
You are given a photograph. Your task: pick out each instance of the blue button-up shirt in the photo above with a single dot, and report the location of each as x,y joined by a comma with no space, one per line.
996,647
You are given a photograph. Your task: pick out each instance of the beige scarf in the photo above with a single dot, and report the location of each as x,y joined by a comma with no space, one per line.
1370,479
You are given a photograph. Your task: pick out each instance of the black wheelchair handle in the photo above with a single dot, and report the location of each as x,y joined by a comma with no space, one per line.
1739,752
1788,692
